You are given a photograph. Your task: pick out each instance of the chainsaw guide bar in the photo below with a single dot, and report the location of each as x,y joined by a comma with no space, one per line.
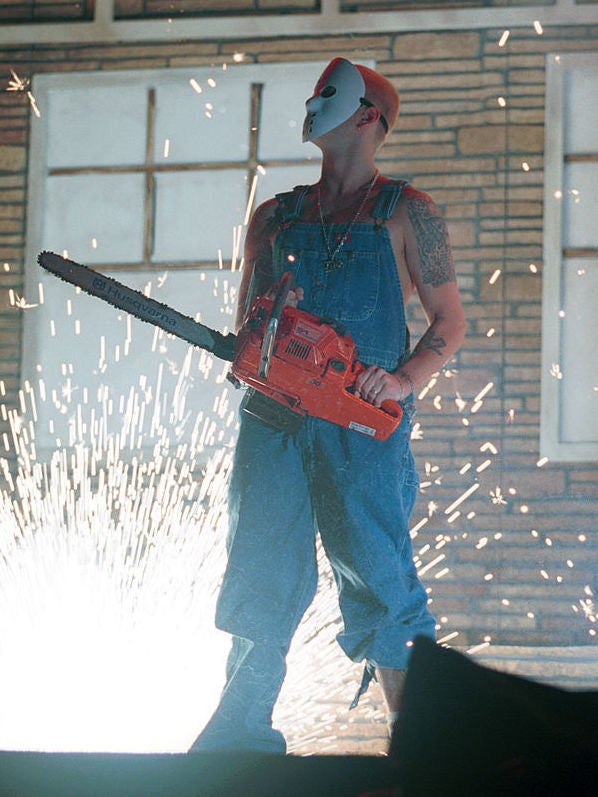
138,304
301,361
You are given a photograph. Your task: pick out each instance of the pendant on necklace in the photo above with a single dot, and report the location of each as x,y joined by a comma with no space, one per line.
332,264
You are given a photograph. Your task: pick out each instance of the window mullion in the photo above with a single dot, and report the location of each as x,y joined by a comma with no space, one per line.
149,200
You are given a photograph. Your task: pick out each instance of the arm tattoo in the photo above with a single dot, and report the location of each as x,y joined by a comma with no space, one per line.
433,342
433,247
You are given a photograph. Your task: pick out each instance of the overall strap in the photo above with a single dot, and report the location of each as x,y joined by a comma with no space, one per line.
290,203
387,199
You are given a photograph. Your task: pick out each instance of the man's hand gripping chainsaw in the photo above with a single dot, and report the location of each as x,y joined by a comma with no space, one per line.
303,362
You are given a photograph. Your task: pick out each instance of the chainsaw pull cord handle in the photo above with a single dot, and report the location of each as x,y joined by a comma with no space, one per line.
284,286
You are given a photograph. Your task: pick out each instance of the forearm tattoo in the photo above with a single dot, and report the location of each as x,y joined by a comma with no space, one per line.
430,340
433,247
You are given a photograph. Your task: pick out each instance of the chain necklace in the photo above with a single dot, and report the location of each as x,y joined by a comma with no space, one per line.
332,263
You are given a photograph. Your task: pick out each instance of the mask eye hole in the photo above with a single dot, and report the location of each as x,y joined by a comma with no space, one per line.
328,91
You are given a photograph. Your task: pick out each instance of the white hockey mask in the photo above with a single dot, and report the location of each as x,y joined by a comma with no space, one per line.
338,94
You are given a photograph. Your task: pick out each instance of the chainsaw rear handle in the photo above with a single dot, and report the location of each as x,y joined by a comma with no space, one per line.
389,406
392,408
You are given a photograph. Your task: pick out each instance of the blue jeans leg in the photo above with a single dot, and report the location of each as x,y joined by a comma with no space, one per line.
243,719
269,581
363,492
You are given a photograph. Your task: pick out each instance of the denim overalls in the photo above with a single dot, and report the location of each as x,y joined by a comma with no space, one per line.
357,492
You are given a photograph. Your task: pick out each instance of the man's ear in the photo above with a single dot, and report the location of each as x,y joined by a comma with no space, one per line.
369,115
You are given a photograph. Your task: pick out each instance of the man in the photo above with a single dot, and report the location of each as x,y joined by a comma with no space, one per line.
359,245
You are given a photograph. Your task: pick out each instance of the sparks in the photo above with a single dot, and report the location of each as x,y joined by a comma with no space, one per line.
484,392
497,497
463,497
22,84
424,569
448,637
249,208
478,648
488,446
17,83
118,539
33,104
460,403
19,301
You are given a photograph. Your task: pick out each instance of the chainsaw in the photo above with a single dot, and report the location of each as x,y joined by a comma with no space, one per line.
305,363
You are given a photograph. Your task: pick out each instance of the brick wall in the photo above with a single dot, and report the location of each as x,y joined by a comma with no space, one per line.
68,10
522,554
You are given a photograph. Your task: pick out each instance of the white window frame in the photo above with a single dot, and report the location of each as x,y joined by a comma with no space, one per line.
34,331
560,68
330,19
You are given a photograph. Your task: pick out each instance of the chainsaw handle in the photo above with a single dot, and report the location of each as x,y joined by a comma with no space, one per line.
390,406
282,292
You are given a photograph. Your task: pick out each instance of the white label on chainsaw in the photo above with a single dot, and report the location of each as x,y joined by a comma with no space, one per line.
310,332
359,427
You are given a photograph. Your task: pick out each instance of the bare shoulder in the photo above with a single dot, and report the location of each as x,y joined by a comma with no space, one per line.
260,232
427,242
417,203
264,215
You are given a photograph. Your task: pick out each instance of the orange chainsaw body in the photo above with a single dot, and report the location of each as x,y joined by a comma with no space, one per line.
312,370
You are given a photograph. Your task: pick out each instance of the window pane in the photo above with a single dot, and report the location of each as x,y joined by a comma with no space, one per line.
580,105
283,111
211,126
580,361
103,127
579,205
196,213
98,218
